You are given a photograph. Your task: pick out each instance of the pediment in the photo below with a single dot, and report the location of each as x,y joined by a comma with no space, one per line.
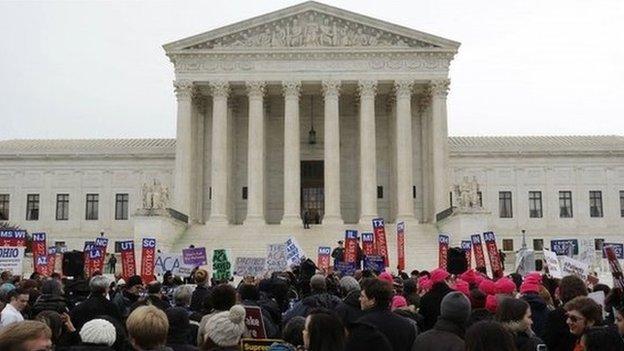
310,25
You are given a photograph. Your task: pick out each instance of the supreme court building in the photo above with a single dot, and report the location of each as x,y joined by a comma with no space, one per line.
312,111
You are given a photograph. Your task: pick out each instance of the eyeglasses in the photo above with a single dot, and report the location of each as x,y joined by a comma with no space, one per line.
574,319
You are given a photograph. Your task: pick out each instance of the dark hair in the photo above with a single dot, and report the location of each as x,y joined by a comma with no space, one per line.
587,307
325,331
570,287
487,336
380,290
511,310
52,287
602,287
53,320
154,287
249,292
223,297
293,331
477,298
602,339
15,293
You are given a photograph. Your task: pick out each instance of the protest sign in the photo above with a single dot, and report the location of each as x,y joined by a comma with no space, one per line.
598,297
13,238
379,230
276,258
258,344
495,262
368,244
128,261
562,246
351,246
173,263
294,252
102,243
614,266
39,250
345,268
148,259
11,259
443,245
617,248
195,256
254,322
401,245
51,258
477,249
553,264
249,266
95,260
375,263
570,266
221,267
324,252
525,261
466,245
88,245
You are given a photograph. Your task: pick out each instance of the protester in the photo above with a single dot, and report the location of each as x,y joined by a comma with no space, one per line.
147,328
349,310
51,298
602,339
515,316
619,319
556,331
529,291
96,304
222,299
489,336
26,336
97,335
12,312
582,313
323,332
448,332
292,334
129,294
338,253
180,336
249,296
319,298
224,330
430,302
365,337
64,334
201,292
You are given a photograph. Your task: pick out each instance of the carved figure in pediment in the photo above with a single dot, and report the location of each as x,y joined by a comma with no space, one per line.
374,40
265,38
311,32
328,33
295,34
360,39
279,36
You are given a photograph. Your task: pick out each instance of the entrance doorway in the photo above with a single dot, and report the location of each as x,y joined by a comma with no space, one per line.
312,190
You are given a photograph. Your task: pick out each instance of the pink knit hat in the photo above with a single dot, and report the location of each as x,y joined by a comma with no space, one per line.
535,275
439,275
491,303
488,287
424,283
530,284
398,301
505,286
468,276
462,286
386,277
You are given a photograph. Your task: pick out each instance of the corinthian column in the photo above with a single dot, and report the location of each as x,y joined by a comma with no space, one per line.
219,168
255,154
404,172
439,145
331,93
292,167
183,173
368,163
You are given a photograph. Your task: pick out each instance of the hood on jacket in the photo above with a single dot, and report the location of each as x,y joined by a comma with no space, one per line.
536,302
322,300
352,298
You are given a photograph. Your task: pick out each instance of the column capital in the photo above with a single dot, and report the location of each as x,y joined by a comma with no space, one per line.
255,88
440,87
291,88
403,88
367,87
331,88
183,89
219,89
423,100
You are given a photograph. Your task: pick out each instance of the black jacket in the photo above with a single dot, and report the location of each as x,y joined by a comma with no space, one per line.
49,302
91,308
446,335
200,294
398,330
91,347
430,304
349,311
539,312
303,307
557,335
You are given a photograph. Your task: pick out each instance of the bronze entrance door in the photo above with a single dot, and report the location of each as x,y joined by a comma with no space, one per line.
312,192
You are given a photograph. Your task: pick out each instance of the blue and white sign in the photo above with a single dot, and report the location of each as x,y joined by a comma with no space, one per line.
562,246
294,252
618,248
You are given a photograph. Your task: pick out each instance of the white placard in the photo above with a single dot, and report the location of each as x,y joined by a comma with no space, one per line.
171,262
570,266
553,264
11,258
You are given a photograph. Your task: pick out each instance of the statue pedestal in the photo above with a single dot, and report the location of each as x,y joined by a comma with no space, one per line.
164,225
460,224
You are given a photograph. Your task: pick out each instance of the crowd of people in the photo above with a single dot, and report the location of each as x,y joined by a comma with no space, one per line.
307,309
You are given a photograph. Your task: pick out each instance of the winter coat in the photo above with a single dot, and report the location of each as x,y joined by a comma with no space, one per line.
272,329
200,294
349,310
446,335
49,302
557,334
182,347
124,303
398,330
522,339
93,307
303,307
91,347
539,312
365,337
430,304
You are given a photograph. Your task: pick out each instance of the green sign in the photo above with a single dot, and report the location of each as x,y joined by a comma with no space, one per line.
221,267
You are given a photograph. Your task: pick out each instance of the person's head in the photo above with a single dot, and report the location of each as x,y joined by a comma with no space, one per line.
201,277
223,297
53,320
515,313
455,307
602,339
619,319
52,287
317,283
99,285
179,325
348,284
154,288
570,287
18,298
182,295
147,327
340,243
582,313
375,293
293,331
248,292
26,336
99,332
225,329
489,335
323,332
134,285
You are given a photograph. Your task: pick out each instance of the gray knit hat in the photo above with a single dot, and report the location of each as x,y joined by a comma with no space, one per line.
455,307
99,332
348,283
226,328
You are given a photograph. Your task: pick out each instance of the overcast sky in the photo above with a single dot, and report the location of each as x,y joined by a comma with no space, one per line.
97,69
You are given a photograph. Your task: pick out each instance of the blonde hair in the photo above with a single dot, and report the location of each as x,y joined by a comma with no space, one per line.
147,327
14,335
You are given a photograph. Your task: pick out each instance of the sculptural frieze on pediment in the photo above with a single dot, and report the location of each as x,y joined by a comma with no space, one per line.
311,29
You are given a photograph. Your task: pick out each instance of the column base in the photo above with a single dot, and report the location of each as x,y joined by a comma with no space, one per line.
291,219
254,220
332,220
367,220
218,219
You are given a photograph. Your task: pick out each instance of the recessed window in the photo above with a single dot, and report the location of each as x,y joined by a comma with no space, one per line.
538,244
91,211
480,196
504,204
535,204
621,203
121,206
598,244
413,191
565,204
244,193
62,207
595,203
380,192
32,207
4,207
508,245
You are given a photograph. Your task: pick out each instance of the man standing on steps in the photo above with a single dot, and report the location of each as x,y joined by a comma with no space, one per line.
338,253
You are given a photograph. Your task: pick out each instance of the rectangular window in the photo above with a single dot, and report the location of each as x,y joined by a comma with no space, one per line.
595,203
380,192
504,204
451,198
244,193
538,244
121,206
535,204
62,207
565,204
32,207
621,203
480,196
508,245
91,210
4,207
598,244
413,191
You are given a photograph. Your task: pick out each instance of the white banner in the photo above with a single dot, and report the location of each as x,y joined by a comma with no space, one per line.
294,252
553,264
11,259
570,266
172,262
